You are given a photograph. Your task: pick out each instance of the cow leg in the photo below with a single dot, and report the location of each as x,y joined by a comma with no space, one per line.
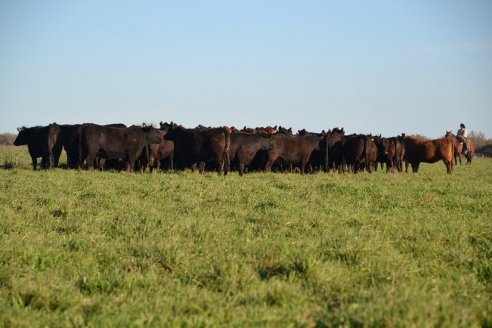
268,166
415,167
101,163
241,169
201,167
221,163
51,160
34,161
90,161
43,163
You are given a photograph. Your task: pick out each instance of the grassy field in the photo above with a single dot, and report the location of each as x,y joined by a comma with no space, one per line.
116,249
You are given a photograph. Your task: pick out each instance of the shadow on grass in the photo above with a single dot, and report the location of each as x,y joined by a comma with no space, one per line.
8,165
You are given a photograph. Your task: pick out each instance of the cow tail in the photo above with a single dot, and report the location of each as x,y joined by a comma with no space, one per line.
366,153
227,164
51,143
327,148
81,151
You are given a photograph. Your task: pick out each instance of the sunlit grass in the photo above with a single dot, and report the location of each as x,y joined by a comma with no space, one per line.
91,249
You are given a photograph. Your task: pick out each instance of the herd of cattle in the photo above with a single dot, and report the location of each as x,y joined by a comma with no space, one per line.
172,146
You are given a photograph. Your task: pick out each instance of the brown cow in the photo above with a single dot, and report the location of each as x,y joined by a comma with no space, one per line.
292,150
418,150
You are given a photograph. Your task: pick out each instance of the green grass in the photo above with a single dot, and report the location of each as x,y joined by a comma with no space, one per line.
84,248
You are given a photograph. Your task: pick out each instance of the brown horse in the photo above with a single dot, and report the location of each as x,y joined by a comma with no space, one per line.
460,150
458,146
418,150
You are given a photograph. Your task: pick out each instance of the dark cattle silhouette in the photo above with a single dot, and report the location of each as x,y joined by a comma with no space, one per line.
292,150
245,146
40,141
334,141
418,150
392,151
194,148
160,152
69,140
113,143
284,130
359,149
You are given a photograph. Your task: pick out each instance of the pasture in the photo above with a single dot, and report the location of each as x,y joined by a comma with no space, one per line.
81,248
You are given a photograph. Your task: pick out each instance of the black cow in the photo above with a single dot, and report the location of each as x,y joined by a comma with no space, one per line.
160,152
317,160
112,143
383,146
334,141
40,141
396,152
194,148
359,149
283,130
68,139
248,130
245,146
291,150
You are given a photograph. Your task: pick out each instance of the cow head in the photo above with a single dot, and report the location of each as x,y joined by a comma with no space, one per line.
23,136
229,129
155,136
383,145
166,125
270,129
248,130
283,130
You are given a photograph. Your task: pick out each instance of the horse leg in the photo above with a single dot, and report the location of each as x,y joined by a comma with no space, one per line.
449,165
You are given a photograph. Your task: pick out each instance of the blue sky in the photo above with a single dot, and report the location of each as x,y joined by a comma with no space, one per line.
370,66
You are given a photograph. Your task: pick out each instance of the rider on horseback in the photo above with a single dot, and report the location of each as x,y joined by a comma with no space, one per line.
463,133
